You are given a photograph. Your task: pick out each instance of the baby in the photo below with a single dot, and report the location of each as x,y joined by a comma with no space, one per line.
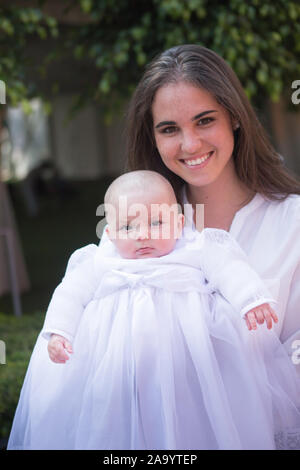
162,358
147,224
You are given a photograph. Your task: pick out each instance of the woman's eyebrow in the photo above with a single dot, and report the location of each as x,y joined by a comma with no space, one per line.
203,114
173,123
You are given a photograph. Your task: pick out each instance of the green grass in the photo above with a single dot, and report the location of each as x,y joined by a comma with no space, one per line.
19,335
63,224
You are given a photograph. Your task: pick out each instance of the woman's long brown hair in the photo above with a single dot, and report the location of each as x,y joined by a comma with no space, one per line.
257,163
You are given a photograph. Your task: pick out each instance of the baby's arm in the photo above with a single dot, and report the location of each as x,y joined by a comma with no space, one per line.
71,296
58,346
260,314
227,268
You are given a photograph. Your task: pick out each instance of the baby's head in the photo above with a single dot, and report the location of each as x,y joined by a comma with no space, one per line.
143,217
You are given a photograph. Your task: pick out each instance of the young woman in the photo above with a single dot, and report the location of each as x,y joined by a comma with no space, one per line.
190,120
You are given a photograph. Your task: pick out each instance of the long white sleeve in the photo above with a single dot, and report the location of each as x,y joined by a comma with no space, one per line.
227,269
290,334
72,294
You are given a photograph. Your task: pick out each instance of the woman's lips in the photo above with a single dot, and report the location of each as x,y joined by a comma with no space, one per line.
200,162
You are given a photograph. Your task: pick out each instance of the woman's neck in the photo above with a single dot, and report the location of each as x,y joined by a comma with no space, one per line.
221,199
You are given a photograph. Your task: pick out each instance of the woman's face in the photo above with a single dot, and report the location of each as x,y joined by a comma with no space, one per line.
193,133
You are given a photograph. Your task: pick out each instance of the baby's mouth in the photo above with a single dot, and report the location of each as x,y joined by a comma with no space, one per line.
143,250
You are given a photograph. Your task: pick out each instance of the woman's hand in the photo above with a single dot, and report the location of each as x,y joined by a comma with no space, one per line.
57,347
262,313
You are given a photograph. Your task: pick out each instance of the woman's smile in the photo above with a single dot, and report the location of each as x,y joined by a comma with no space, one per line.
197,162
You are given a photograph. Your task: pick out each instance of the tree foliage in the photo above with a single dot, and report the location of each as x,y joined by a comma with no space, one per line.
259,39
17,26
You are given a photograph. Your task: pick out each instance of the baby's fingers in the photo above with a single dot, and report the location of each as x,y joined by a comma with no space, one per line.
274,316
68,346
57,353
270,315
259,315
58,356
247,323
251,321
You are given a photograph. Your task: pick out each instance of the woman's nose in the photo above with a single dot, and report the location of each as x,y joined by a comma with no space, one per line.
191,142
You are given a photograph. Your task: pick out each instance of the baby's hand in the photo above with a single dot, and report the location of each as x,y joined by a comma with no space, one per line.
260,314
57,347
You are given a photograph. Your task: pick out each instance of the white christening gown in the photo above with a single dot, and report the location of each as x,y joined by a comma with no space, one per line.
162,356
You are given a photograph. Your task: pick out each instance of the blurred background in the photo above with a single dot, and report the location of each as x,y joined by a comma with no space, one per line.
67,71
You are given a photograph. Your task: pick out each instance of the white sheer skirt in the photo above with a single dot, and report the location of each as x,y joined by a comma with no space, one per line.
161,370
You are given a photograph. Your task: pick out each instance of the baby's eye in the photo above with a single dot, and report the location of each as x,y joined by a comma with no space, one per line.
156,223
126,228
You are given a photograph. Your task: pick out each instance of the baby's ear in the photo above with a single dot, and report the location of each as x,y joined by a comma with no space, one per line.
110,232
181,220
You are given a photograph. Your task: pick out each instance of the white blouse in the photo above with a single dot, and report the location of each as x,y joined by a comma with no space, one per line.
269,233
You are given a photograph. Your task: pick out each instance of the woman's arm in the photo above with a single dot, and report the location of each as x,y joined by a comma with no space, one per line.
290,334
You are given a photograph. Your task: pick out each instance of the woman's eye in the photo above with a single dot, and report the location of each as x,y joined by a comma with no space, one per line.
204,121
169,130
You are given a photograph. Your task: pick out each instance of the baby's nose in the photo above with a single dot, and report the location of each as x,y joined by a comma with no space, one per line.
143,233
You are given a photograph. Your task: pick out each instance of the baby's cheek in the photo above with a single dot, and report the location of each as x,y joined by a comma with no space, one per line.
165,246
125,248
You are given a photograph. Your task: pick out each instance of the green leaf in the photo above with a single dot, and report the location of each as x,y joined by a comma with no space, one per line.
249,38
86,5
141,58
201,13
104,86
262,76
26,106
275,36
47,107
42,32
120,58
7,26
293,11
137,33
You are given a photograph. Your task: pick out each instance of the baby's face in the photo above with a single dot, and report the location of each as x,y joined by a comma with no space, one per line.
145,225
